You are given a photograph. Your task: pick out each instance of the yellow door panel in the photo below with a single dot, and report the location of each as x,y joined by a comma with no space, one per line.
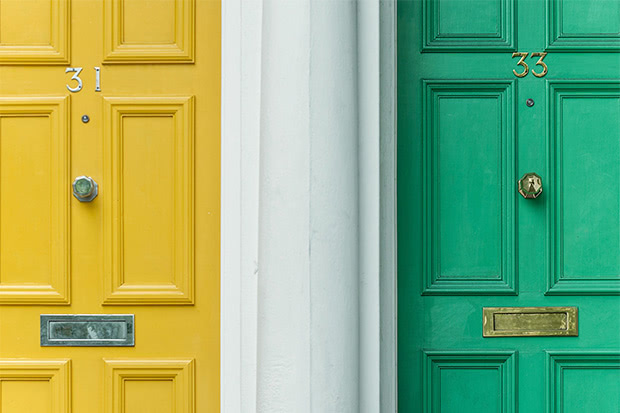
149,31
149,215
34,202
148,244
149,386
34,31
35,386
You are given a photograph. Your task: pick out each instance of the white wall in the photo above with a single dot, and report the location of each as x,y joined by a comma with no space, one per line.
302,236
308,212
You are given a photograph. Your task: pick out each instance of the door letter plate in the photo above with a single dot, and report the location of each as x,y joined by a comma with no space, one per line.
85,330
529,321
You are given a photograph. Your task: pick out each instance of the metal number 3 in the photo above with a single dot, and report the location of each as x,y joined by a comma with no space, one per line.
540,62
521,62
76,77
526,68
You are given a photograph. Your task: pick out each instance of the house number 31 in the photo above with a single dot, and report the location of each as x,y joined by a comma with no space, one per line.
76,76
526,68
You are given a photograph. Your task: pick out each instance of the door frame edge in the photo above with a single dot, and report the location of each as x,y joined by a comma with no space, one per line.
376,36
388,218
240,100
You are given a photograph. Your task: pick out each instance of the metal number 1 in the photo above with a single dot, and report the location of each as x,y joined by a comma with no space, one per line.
97,79
76,77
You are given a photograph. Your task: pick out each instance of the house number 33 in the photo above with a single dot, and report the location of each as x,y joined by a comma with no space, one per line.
526,68
76,77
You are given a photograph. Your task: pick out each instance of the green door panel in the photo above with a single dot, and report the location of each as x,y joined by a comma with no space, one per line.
485,381
472,25
584,204
583,25
468,240
583,382
465,166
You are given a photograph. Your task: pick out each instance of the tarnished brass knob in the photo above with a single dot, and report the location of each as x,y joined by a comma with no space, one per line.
530,186
85,189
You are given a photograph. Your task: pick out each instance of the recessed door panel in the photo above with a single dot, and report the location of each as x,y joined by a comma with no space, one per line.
585,185
140,31
583,381
478,159
134,386
583,25
44,39
149,217
485,381
458,25
35,386
34,204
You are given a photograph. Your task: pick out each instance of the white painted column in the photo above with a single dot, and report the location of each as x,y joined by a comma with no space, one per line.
308,273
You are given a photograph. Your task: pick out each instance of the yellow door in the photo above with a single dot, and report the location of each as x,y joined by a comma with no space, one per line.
145,127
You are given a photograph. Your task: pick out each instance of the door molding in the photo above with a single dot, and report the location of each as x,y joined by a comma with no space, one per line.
387,221
240,143
240,95
377,202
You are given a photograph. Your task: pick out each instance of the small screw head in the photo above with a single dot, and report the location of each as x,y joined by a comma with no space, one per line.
529,102
85,119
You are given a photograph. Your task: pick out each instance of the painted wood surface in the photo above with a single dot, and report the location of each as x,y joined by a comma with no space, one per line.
468,240
149,243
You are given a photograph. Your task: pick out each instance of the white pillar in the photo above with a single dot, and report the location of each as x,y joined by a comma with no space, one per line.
308,277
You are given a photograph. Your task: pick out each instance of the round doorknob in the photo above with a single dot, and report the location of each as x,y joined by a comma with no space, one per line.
530,186
85,189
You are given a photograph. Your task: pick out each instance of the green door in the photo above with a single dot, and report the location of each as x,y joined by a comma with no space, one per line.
468,129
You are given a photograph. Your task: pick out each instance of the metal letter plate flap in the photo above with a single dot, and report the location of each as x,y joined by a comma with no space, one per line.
529,321
87,330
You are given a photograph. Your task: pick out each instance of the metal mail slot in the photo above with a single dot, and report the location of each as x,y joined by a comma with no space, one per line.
529,321
86,330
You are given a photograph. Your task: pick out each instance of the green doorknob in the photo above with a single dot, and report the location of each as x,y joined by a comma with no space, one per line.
530,186
85,189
